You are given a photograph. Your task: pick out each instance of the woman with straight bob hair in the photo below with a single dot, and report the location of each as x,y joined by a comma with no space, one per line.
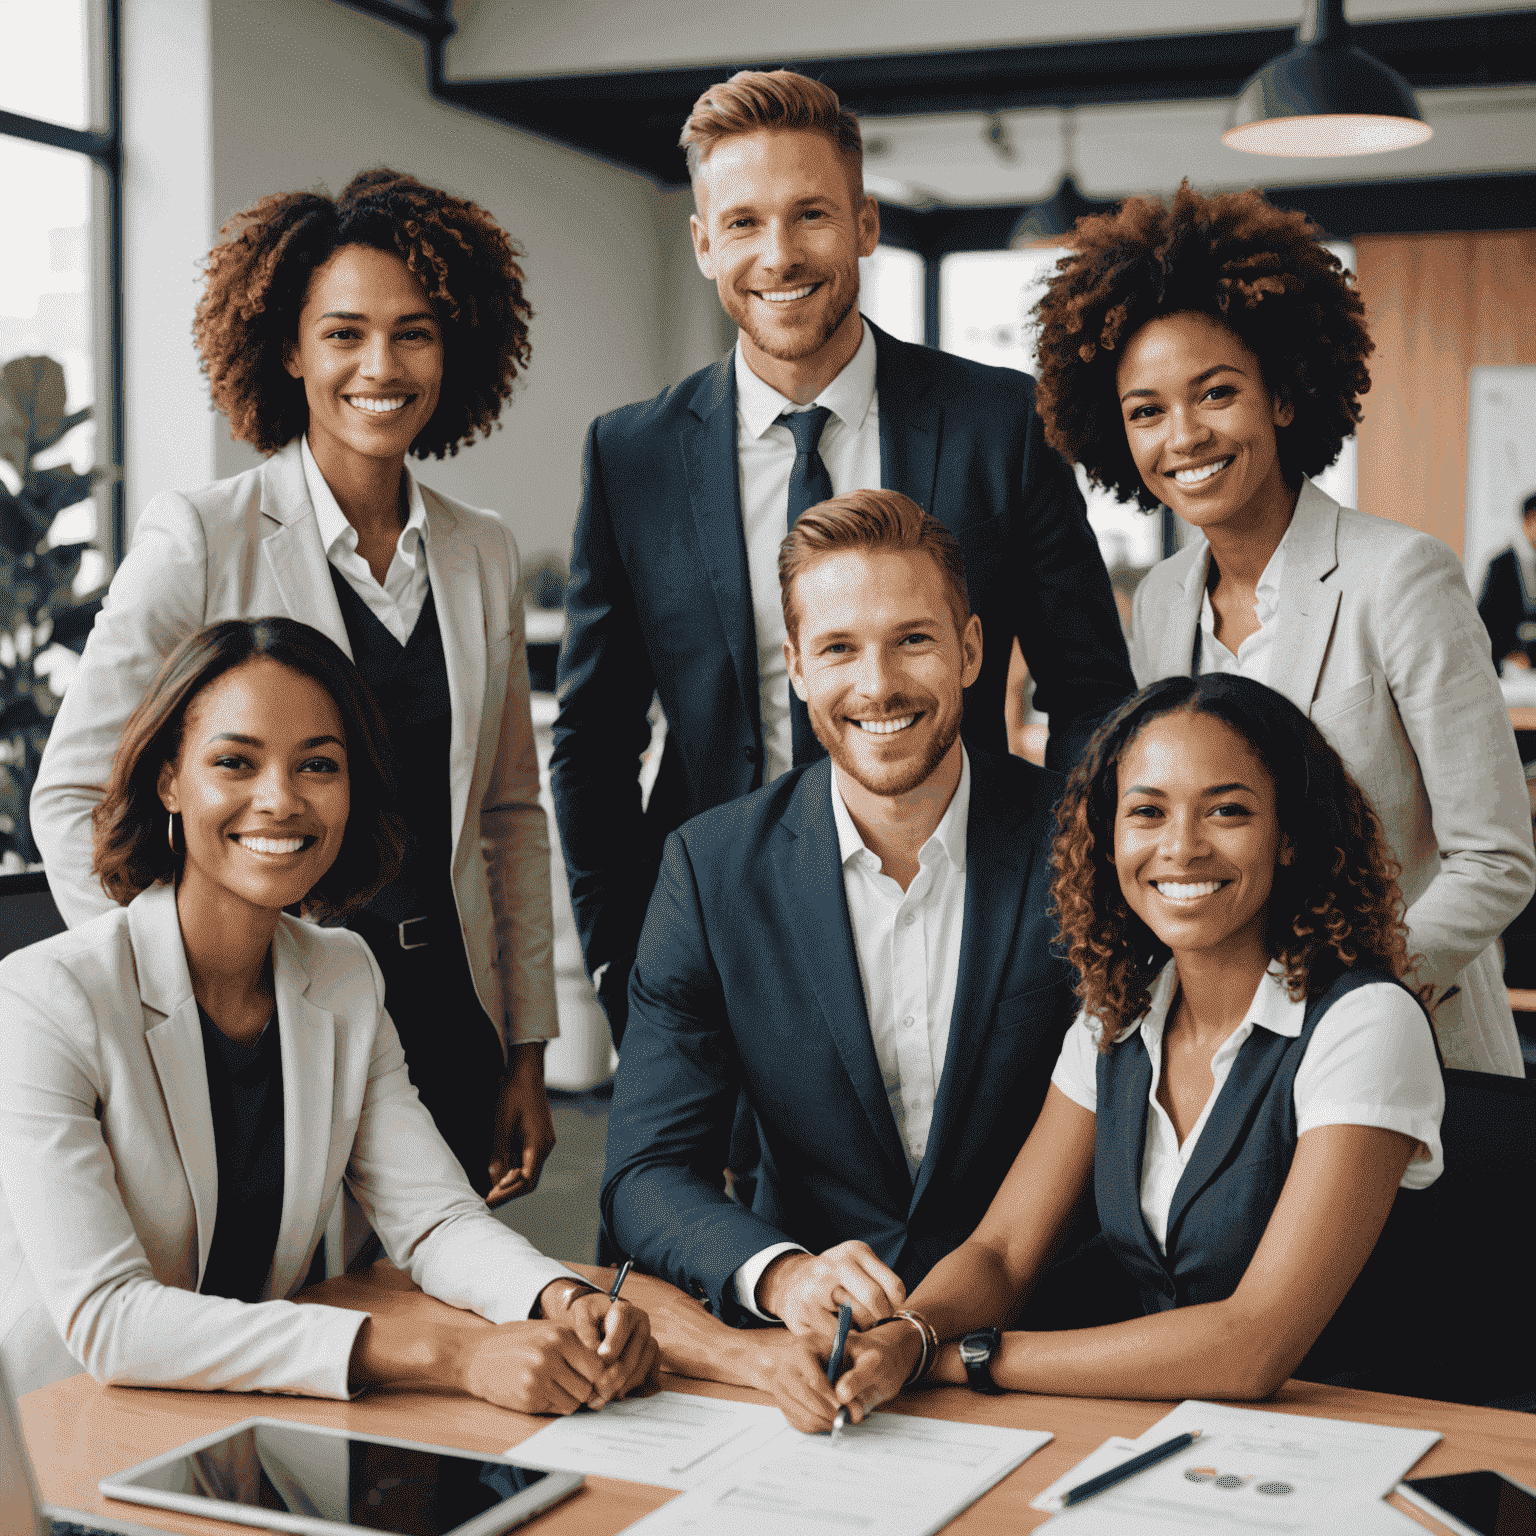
1210,355
191,1076
1249,1082
340,336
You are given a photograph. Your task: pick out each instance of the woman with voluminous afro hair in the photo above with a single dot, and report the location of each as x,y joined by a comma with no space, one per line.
1260,271
257,278
343,336
1210,355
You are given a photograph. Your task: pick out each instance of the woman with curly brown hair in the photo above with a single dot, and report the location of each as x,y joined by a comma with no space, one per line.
1210,355
1248,1084
339,336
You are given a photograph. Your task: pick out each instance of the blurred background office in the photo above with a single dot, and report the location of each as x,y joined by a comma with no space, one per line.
130,129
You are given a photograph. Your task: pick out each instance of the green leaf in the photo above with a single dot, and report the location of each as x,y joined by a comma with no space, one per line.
38,392
13,429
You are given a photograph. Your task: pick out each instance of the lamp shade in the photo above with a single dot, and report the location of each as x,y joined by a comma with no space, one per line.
1049,222
1325,97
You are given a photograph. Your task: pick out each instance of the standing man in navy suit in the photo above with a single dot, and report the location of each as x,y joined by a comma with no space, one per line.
674,587
862,949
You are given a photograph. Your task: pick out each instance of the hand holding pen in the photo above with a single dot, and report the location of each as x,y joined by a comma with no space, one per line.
835,1364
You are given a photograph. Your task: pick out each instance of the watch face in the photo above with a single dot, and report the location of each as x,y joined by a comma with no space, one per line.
979,1347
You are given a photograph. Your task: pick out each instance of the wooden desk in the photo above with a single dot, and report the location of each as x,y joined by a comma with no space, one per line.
79,1431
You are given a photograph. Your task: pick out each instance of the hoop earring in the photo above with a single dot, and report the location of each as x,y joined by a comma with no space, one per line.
170,833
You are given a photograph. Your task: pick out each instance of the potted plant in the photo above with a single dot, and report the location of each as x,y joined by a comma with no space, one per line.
39,608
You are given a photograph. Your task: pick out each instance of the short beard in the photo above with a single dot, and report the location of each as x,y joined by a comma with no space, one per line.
910,778
782,354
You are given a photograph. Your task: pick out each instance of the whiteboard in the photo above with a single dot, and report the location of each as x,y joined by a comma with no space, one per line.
1501,463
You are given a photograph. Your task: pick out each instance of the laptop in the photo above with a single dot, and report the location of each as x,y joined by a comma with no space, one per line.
22,1513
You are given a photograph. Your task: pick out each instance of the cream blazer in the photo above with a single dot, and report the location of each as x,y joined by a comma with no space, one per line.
250,547
109,1180
1379,642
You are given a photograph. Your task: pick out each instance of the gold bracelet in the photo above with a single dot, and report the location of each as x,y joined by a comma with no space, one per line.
930,1339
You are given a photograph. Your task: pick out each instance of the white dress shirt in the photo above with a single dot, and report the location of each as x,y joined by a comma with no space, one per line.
1371,1061
1251,658
908,948
765,454
397,604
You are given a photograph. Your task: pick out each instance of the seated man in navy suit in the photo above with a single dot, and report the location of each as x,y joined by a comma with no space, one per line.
862,948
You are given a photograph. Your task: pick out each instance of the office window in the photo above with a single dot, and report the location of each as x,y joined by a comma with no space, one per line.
891,291
60,513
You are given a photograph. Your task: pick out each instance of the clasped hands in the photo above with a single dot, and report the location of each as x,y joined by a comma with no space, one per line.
804,1291
585,1352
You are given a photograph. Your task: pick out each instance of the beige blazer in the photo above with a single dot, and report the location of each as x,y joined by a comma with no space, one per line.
249,547
1380,643
109,1180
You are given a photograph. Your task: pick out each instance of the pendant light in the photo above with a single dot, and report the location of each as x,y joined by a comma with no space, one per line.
1325,97
1050,222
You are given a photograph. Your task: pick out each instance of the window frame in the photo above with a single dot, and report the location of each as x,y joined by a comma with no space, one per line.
104,148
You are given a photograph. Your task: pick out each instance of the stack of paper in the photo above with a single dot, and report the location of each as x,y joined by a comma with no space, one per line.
747,1472
1250,1470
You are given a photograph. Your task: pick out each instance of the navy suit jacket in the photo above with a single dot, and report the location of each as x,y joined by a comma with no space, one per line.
747,979
660,601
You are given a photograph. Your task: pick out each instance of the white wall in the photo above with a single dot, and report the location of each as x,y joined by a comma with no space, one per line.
229,101
516,38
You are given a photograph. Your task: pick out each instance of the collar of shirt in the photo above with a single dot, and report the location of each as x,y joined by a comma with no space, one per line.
1272,1008
334,527
849,396
948,837
1266,593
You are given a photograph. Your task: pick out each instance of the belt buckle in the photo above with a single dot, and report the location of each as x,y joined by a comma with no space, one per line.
406,924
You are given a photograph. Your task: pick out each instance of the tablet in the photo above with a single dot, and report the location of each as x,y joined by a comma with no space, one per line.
285,1476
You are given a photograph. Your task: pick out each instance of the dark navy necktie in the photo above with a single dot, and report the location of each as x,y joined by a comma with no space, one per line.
809,484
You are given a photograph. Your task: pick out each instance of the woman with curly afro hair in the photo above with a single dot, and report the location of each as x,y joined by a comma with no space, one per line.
1210,355
340,336
1247,1086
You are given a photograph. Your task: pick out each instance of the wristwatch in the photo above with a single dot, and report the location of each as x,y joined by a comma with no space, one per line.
976,1354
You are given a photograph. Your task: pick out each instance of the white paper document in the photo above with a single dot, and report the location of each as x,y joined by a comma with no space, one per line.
893,1474
1251,1470
671,1439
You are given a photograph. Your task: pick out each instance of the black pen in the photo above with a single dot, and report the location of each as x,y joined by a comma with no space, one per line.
613,1293
1128,1468
835,1363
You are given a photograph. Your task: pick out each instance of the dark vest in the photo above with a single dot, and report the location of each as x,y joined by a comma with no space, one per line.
1233,1180
410,682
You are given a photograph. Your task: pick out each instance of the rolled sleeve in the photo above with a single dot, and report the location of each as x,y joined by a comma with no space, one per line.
1371,1061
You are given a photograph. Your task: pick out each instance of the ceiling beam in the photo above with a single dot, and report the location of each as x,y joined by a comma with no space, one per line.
1427,206
633,117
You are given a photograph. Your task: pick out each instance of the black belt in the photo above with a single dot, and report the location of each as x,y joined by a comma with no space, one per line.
412,933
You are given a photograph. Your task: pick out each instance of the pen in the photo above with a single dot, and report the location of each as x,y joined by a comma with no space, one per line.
620,1278
835,1363
1128,1468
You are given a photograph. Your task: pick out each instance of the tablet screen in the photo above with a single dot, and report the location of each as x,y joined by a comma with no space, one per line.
406,1490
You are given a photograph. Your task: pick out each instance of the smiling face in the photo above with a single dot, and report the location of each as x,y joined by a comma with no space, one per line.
370,353
780,229
1197,837
261,786
1201,424
880,663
